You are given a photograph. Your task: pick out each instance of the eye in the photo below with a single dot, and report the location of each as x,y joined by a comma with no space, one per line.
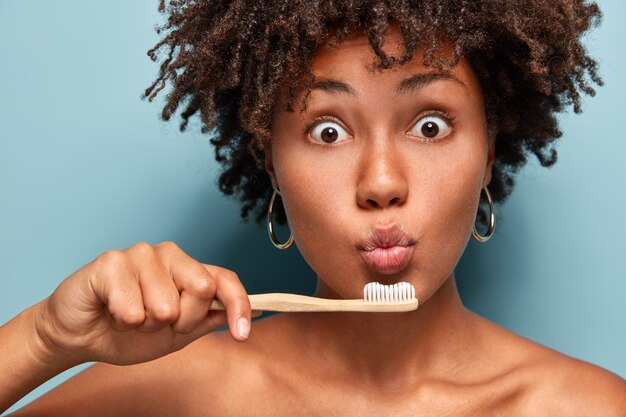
328,132
431,127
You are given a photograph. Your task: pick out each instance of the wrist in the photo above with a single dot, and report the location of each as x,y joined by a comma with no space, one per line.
26,359
43,347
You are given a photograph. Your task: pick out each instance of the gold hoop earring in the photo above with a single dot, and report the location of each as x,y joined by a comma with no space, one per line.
270,226
492,221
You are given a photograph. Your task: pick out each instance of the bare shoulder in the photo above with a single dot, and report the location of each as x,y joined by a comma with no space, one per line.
220,355
155,388
555,384
231,377
181,383
573,387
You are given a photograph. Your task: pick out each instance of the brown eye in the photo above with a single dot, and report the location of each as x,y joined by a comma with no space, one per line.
328,132
329,135
431,128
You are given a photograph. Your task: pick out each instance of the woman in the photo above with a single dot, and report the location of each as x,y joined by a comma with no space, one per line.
377,127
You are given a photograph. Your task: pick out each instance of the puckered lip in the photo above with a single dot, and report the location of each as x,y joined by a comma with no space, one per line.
386,237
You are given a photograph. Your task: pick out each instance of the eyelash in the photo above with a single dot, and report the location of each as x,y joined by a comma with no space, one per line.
446,116
320,119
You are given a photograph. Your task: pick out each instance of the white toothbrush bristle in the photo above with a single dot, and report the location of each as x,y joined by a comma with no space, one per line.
375,292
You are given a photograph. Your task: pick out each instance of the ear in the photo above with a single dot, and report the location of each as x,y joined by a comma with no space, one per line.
491,157
269,164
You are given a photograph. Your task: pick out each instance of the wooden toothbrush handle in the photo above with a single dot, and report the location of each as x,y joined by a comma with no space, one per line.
302,303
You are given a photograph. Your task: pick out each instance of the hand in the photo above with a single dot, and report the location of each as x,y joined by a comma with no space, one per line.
135,305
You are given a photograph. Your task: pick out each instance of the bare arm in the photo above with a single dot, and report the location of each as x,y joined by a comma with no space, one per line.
24,360
131,310
157,388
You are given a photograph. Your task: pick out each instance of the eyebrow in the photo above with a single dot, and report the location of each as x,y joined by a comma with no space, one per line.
333,86
419,81
415,82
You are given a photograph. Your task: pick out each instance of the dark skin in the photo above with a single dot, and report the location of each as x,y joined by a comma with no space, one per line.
441,359
380,172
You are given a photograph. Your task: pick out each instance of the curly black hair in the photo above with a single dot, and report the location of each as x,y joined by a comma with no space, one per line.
229,59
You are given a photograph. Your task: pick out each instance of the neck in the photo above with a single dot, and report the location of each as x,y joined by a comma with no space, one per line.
392,349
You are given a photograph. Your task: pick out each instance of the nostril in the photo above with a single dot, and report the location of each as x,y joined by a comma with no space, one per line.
394,200
372,202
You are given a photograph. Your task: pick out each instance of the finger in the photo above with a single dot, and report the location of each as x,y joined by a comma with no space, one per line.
213,321
233,295
116,286
193,311
188,276
196,286
160,295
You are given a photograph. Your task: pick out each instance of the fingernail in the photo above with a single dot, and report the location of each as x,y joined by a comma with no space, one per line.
243,327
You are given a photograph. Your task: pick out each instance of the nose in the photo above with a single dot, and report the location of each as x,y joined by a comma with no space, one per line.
382,178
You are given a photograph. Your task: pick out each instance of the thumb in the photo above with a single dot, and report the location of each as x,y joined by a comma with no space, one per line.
213,321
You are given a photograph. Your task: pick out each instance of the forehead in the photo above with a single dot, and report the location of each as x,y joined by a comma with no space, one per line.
353,59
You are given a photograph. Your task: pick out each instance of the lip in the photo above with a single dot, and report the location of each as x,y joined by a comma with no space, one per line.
387,250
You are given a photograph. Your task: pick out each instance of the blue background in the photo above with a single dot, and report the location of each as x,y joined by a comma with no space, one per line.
86,166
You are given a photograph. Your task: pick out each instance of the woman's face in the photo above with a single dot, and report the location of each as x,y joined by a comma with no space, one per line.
381,176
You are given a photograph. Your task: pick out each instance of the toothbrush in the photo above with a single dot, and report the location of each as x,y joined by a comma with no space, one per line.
376,298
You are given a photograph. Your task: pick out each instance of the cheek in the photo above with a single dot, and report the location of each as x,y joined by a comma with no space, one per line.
454,191
447,207
319,198
316,193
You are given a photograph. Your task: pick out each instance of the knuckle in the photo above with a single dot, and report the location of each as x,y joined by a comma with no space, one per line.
204,287
143,248
113,259
132,317
168,245
229,275
166,312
